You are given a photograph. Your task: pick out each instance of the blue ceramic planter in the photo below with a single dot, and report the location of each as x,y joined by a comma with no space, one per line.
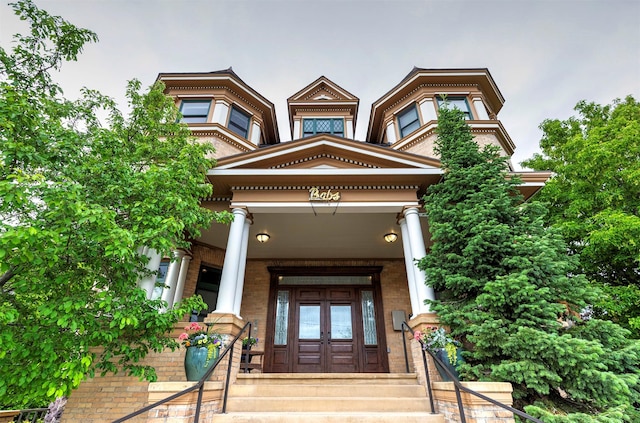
442,355
196,363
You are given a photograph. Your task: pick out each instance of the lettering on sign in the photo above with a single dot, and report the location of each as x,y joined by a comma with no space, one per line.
316,195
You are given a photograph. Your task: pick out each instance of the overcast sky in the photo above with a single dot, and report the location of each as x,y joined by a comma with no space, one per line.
545,56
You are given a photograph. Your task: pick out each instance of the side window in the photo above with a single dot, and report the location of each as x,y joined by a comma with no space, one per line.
459,103
239,122
160,278
195,111
322,126
408,121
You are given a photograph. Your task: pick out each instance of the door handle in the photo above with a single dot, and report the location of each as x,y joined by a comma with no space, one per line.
328,337
321,337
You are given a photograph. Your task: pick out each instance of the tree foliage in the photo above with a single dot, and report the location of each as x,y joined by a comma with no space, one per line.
509,291
77,201
594,198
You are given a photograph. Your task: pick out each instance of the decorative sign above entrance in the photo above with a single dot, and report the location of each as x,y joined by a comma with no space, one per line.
327,196
316,195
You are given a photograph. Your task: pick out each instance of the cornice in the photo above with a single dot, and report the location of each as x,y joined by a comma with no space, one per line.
216,131
324,187
222,87
421,86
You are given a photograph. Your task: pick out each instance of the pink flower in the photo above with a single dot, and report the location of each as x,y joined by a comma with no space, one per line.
417,335
194,326
183,336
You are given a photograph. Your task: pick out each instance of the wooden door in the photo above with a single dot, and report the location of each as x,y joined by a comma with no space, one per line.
325,334
325,326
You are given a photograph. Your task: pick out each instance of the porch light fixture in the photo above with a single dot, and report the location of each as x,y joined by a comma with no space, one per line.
262,237
391,237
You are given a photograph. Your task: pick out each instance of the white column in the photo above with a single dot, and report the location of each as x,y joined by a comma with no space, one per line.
296,130
221,112
349,128
184,268
418,251
148,283
255,133
229,277
428,110
241,268
391,132
480,109
408,263
171,281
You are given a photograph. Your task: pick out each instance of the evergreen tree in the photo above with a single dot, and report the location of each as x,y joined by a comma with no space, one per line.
508,290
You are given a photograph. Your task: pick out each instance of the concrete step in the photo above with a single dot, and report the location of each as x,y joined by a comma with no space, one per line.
328,390
327,417
327,378
327,404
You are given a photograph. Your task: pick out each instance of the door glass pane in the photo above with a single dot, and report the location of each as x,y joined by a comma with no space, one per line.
341,322
282,318
369,319
309,322
325,280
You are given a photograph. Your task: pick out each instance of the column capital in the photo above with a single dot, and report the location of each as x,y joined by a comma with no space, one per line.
406,210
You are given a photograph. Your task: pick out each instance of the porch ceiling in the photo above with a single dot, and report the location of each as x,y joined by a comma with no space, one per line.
318,236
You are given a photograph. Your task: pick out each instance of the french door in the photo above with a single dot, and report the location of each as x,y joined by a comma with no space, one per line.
331,328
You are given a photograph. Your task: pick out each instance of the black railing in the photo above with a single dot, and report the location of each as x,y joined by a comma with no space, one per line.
200,384
31,415
456,383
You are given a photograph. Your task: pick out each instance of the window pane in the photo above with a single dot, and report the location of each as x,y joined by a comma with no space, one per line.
307,124
160,278
369,319
338,126
459,103
309,322
282,318
323,126
408,121
341,322
324,280
239,122
195,111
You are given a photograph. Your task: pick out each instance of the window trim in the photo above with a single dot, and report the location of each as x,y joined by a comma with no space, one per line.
468,115
233,127
204,117
401,129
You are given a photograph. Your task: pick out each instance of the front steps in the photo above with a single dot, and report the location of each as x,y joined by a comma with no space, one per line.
332,398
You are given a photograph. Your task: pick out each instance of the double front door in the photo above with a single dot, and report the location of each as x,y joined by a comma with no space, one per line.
329,329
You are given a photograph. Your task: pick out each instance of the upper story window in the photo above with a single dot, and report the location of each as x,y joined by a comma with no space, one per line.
322,126
459,103
195,111
239,122
408,121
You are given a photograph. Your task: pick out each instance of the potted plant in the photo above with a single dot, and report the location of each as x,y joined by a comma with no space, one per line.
203,349
440,343
247,343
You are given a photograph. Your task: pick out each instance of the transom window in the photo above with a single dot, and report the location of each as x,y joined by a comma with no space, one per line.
459,103
408,121
195,111
323,126
239,121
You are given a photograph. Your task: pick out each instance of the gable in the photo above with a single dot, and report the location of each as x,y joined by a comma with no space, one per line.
328,152
322,89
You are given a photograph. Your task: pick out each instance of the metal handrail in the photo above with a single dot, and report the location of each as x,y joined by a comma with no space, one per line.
456,383
200,385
